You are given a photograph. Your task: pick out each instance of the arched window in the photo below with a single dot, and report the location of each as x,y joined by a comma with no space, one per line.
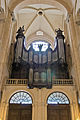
21,97
58,98
37,43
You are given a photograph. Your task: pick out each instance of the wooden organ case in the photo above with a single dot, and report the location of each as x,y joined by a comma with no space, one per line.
39,67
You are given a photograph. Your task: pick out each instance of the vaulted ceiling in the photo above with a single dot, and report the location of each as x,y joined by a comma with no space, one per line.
40,17
43,16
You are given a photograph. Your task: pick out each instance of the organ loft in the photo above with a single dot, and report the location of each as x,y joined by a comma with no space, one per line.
39,60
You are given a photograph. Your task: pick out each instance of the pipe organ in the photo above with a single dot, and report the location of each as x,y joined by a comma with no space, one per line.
39,67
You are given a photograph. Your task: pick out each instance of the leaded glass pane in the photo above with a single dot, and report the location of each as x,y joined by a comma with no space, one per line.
21,98
58,98
36,44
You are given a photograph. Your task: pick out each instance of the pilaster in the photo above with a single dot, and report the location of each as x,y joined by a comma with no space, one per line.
74,51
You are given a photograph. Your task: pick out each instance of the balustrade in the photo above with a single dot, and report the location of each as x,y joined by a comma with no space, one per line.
55,82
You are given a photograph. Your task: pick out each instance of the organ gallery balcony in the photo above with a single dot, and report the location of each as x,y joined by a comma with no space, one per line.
40,65
24,82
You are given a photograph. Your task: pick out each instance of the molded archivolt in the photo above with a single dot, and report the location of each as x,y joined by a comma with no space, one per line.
20,97
57,98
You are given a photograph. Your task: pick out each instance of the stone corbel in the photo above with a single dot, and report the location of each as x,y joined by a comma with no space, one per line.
13,16
68,16
2,14
78,17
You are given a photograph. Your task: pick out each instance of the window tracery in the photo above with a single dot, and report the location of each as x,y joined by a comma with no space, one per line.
21,97
58,98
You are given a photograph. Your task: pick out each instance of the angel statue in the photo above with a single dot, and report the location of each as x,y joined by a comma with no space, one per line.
59,31
20,31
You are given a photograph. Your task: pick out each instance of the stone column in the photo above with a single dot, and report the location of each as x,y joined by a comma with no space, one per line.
41,107
74,110
5,45
73,45
39,110
35,105
45,112
2,24
6,111
34,111
2,110
5,42
38,106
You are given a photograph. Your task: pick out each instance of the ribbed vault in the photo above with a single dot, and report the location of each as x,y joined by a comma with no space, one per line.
41,15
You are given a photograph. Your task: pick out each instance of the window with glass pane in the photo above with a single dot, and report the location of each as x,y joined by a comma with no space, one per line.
36,44
21,97
58,98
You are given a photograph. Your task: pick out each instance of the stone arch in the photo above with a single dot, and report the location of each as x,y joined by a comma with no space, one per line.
59,90
8,94
58,101
67,5
20,98
59,98
33,37
20,101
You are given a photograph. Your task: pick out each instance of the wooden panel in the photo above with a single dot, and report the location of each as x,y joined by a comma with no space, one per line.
49,56
20,112
25,55
36,76
26,115
54,56
30,56
36,58
40,57
14,115
58,112
53,115
44,58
